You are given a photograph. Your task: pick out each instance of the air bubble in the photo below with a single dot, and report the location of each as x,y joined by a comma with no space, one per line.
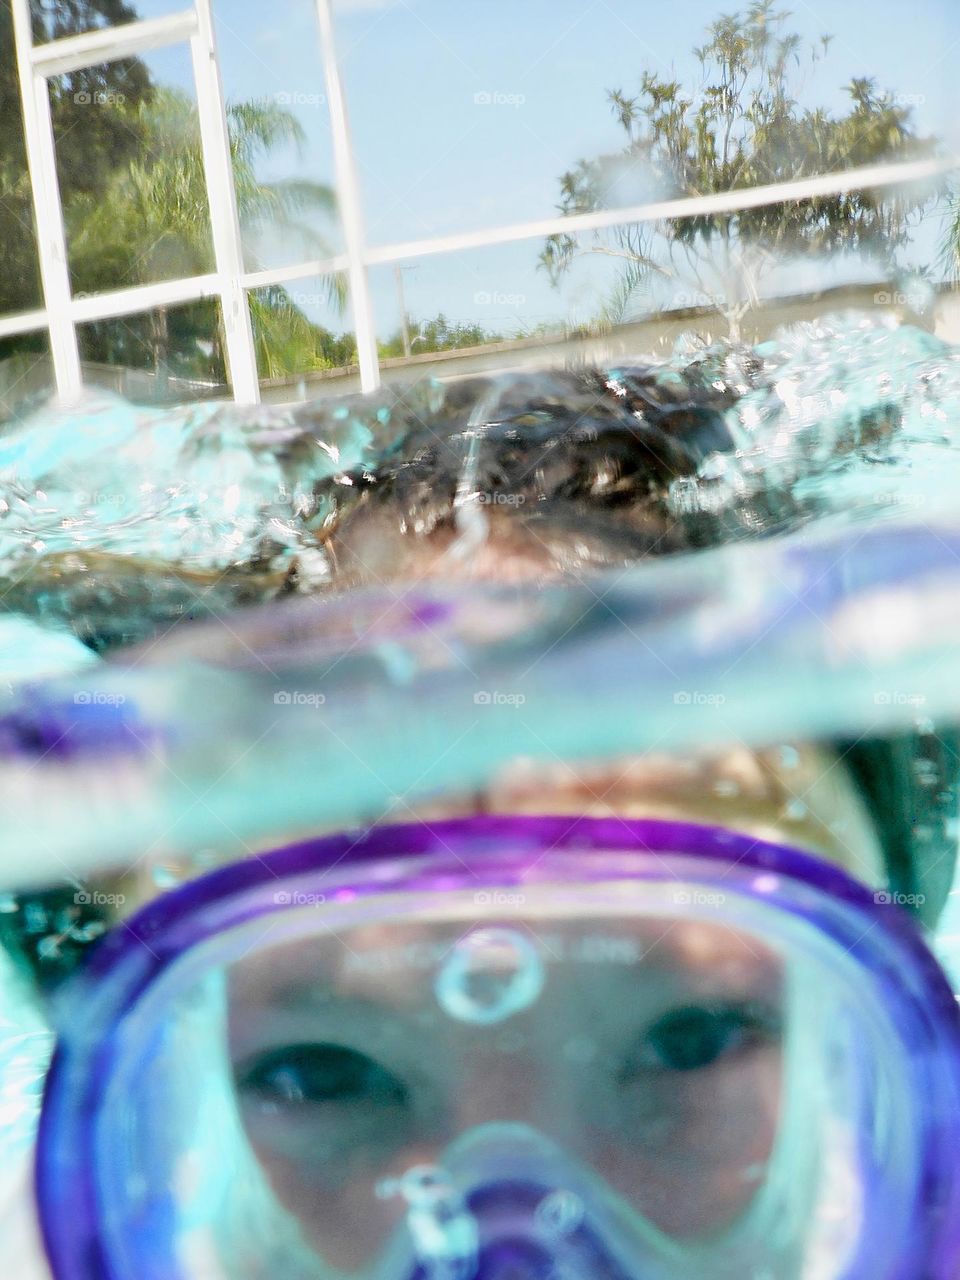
560,1213
442,1230
491,975
926,773
88,932
48,948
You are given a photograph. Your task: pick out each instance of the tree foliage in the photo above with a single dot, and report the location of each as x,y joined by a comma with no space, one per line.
950,251
743,126
439,334
93,142
152,222
288,342
135,206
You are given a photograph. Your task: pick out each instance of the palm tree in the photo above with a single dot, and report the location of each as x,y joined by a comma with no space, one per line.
950,253
152,222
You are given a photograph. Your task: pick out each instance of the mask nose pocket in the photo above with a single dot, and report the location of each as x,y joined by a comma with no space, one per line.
502,1207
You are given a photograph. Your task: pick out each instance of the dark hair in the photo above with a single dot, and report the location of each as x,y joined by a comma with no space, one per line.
581,460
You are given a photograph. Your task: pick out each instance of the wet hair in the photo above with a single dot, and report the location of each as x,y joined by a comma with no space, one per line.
577,467
573,470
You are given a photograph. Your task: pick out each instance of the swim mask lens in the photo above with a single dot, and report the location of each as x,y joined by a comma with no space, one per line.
504,1049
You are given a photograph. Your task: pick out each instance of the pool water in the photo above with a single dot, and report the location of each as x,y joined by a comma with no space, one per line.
815,476
813,482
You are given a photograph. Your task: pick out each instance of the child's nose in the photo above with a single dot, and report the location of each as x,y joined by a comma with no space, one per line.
503,1087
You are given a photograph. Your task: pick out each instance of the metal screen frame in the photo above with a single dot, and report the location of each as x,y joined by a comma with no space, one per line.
229,282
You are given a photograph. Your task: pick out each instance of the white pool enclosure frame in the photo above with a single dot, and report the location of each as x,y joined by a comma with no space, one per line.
230,283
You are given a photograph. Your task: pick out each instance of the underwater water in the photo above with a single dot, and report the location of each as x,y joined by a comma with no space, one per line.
715,536
815,476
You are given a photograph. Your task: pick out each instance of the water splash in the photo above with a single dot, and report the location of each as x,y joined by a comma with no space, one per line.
468,503
849,413
117,520
859,599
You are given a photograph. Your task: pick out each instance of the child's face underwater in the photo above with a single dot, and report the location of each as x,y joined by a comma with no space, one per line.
662,1074
657,1064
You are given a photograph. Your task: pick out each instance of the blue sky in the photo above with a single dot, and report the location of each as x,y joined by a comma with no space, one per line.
435,158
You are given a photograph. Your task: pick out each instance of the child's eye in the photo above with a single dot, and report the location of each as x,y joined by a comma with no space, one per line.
318,1073
695,1037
